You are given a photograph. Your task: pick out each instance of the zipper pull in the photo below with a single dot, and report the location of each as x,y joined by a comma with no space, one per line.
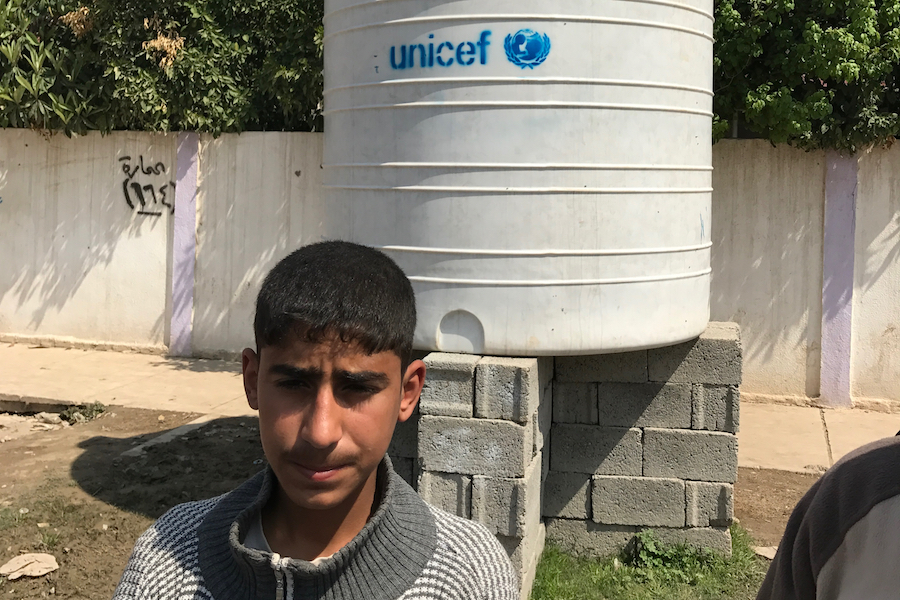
279,577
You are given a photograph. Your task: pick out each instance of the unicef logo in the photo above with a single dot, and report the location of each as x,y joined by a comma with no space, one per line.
527,48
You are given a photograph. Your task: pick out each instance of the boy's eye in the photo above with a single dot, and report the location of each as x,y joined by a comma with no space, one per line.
292,384
367,390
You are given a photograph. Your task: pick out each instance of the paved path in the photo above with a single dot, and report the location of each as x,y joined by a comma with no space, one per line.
788,438
120,379
794,438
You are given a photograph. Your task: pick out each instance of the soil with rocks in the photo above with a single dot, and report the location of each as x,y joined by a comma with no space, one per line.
71,493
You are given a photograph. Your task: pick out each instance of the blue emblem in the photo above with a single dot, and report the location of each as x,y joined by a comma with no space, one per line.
527,48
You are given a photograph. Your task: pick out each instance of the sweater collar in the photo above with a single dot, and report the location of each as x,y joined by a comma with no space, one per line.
380,563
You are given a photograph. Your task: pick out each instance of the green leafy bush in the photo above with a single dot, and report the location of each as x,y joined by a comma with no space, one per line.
161,65
817,73
48,77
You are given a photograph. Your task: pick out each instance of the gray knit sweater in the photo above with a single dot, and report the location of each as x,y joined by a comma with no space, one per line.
407,550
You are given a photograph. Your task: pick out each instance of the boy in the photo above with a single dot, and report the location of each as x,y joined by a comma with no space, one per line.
331,376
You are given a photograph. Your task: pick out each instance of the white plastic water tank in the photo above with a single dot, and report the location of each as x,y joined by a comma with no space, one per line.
540,170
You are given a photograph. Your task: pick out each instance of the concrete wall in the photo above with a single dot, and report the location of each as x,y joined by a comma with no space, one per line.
259,197
78,263
87,268
768,212
875,368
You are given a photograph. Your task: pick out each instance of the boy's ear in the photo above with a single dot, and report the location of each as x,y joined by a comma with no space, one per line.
250,369
413,381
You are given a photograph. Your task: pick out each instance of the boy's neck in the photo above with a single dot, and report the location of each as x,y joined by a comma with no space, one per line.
307,534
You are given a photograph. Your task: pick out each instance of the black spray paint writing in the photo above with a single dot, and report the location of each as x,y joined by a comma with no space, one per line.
146,197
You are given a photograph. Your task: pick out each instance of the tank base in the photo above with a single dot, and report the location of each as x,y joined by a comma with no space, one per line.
552,321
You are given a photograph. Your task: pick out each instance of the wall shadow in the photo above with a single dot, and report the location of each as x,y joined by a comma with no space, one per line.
259,198
68,205
876,328
203,463
200,365
768,220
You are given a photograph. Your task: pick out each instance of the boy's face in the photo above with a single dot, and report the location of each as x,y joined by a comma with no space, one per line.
327,412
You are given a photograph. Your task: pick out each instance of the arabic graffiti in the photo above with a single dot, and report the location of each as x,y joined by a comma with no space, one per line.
143,195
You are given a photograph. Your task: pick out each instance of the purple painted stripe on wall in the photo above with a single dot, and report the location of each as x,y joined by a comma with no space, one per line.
184,244
841,180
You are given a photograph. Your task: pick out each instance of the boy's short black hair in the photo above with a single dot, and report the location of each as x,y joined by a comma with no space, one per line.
342,288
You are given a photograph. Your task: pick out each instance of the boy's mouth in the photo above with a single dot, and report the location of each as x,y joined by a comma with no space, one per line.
319,473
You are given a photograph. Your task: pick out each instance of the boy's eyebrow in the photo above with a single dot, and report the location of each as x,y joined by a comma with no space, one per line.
296,372
359,377
364,377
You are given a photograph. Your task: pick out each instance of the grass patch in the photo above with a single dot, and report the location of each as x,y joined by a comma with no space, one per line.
49,539
82,413
9,518
647,570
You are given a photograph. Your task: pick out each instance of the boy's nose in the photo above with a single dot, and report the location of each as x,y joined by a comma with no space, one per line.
322,425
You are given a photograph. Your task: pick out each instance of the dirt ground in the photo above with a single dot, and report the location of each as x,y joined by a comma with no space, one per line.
764,500
71,493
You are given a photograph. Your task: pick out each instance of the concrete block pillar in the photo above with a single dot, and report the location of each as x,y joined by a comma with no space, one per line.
646,440
480,447
585,451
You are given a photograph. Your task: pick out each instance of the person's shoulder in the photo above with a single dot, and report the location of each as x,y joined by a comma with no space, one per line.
862,478
468,550
856,483
164,563
464,535
176,530
874,452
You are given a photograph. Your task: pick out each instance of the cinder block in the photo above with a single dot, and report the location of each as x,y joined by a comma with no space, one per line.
447,491
645,405
507,388
405,441
715,357
405,468
642,501
694,455
716,407
595,450
586,538
627,367
709,504
474,446
566,495
575,403
524,554
508,506
542,421
713,539
449,385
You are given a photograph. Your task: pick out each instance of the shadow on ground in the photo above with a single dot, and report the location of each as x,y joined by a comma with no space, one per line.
201,365
203,463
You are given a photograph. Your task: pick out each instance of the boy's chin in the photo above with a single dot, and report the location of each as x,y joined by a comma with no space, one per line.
311,496
319,501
